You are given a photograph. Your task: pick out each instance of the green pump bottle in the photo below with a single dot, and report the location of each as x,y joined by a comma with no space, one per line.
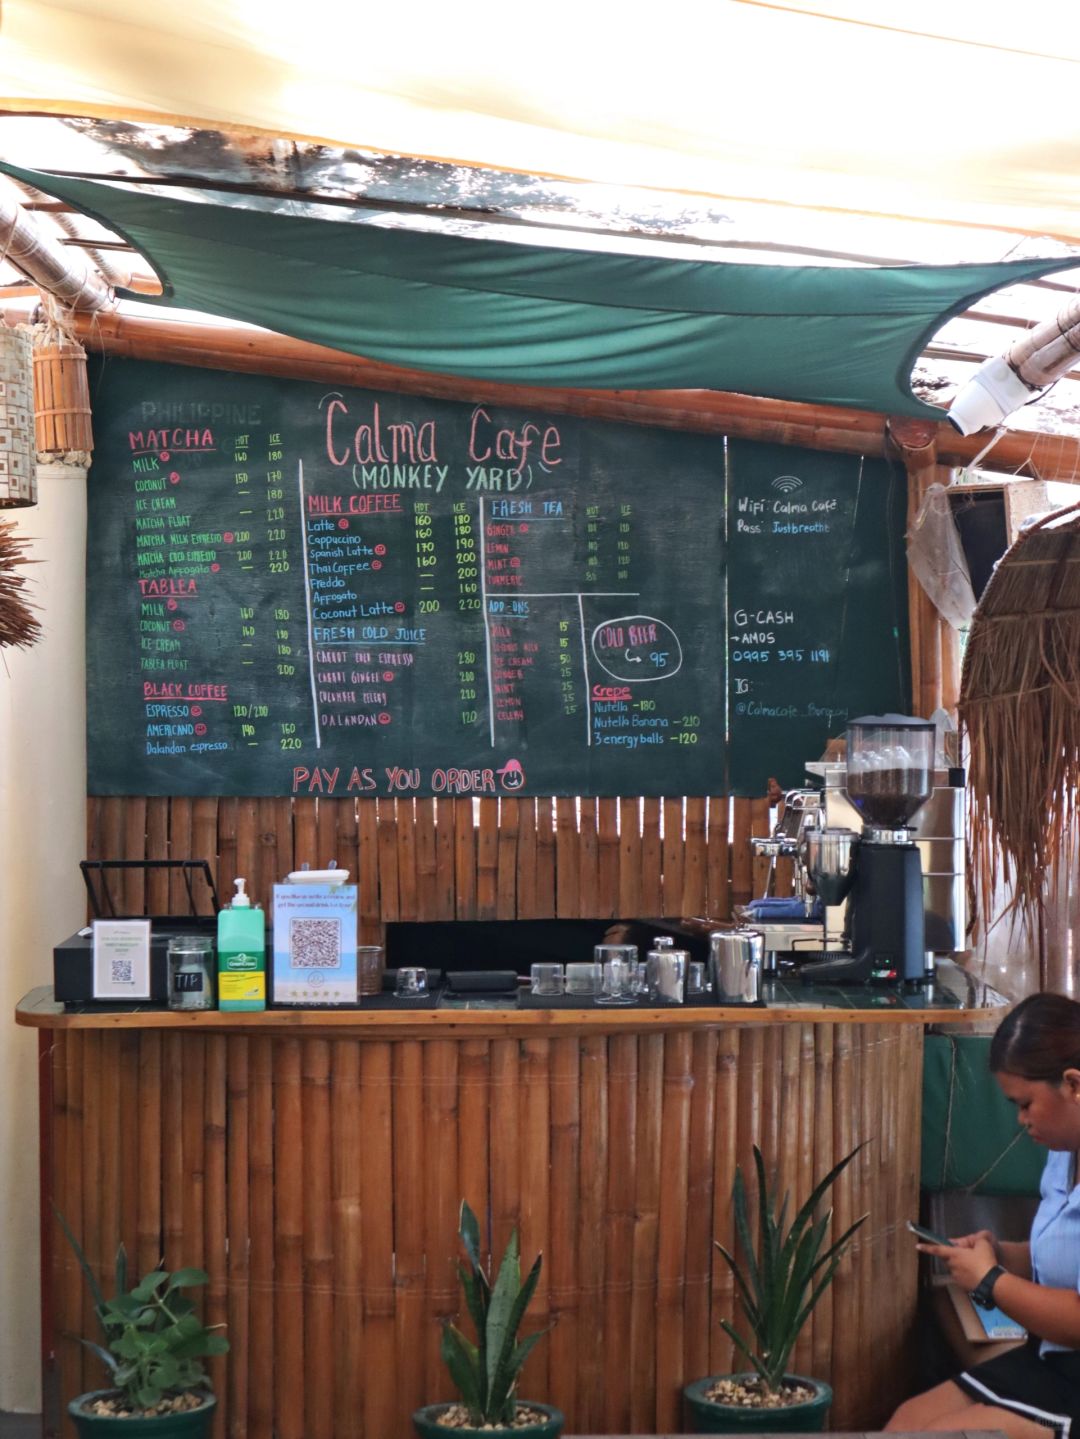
241,946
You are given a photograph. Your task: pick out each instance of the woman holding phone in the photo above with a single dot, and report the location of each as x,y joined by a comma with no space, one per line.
1035,1057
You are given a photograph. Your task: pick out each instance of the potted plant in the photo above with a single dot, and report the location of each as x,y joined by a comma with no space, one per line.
154,1345
778,1289
486,1373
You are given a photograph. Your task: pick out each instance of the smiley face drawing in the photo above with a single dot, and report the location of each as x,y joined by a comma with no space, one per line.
511,776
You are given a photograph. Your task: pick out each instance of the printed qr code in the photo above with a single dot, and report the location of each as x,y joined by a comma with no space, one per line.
121,972
315,943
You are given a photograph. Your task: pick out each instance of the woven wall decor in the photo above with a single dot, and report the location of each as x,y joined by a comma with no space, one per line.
18,474
1020,709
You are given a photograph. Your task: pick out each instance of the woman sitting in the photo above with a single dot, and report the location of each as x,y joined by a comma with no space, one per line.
1035,1057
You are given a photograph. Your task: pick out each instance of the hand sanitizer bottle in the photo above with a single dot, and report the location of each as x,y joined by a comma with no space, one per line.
241,946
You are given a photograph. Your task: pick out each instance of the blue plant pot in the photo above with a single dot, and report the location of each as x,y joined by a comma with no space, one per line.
707,1416
188,1424
426,1424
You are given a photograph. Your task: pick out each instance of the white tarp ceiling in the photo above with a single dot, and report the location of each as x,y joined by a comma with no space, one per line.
962,112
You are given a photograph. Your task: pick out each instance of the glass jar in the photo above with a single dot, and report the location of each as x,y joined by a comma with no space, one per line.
191,972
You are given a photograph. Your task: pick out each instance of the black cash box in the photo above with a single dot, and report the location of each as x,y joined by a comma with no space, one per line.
73,962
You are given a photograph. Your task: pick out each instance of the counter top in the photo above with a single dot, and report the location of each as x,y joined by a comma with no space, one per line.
955,996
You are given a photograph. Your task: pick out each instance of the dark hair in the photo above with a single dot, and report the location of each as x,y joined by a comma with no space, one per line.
1039,1039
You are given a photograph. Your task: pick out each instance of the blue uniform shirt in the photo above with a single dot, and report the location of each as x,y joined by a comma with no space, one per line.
1055,1232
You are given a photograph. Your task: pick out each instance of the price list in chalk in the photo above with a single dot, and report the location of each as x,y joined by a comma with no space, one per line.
806,652
299,590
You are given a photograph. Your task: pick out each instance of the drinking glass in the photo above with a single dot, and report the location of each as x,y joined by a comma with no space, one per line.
546,979
618,961
411,983
584,979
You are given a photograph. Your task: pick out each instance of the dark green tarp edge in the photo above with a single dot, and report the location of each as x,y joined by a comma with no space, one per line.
532,315
971,1139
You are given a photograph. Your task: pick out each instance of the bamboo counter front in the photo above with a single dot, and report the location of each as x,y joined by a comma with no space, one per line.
314,1162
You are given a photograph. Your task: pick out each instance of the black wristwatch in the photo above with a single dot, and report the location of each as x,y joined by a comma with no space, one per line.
983,1293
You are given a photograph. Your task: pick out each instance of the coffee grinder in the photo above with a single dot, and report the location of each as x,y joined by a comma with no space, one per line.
890,774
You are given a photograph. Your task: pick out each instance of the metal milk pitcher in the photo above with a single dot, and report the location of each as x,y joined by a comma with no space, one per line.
735,959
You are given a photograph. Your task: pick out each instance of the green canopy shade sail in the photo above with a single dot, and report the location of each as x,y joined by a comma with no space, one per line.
533,315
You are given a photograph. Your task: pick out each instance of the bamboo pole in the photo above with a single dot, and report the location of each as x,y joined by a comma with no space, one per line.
567,860
803,1103
239,1230
671,1245
382,1403
506,859
89,1232
464,861
607,858
699,1203
824,1159
588,859
319,1268
564,1285
264,1300
629,856
650,899
718,878
290,1357
406,858
69,1203
189,1086
410,1197
818,427
505,1161
535,1181
215,1223
444,861
619,1224
527,904
672,857
474,1113
845,1297
545,857
694,860
590,1416
348,1151
487,859
729,1072
442,1119
650,1102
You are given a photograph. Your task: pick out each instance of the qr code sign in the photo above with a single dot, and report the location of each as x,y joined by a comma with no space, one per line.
315,943
121,972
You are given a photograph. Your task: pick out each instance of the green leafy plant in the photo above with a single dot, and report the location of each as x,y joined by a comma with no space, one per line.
791,1270
486,1373
155,1341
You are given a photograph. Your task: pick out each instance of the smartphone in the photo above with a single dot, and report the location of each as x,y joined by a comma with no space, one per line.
928,1236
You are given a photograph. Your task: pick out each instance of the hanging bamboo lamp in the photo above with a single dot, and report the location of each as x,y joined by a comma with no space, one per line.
61,402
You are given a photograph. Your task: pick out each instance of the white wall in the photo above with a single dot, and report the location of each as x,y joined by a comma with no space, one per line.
42,899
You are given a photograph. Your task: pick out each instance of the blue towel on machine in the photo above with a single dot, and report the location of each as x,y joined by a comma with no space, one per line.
782,910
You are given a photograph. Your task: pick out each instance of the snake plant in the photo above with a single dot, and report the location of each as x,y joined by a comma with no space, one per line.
785,1278
486,1373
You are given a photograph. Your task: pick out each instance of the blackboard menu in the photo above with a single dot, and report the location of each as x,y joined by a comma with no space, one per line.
298,589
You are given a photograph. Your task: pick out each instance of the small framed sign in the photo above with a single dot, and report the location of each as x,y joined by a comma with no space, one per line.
121,959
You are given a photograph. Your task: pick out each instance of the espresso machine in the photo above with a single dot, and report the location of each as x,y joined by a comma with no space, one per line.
890,776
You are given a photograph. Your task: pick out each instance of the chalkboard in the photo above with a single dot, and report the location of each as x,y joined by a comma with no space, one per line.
299,589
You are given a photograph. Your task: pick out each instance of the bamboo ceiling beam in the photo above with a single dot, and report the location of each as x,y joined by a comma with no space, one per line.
817,427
